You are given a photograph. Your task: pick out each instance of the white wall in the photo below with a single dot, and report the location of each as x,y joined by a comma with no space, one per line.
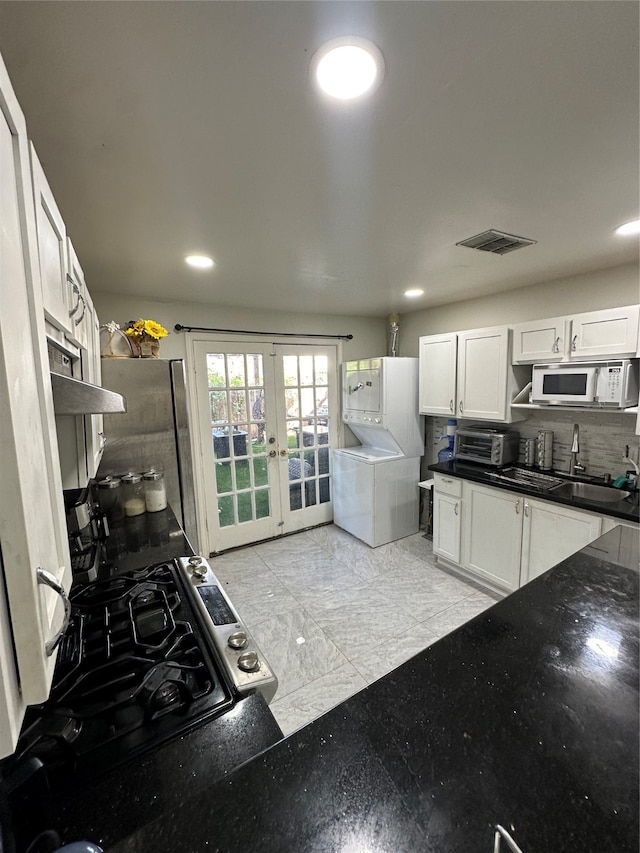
588,292
369,334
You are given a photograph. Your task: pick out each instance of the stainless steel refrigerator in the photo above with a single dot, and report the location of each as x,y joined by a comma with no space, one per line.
154,432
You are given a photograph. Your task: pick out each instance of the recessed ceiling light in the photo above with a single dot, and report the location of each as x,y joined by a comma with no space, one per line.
201,262
347,67
413,292
629,227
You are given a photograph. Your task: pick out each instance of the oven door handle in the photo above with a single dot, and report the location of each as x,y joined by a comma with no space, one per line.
47,579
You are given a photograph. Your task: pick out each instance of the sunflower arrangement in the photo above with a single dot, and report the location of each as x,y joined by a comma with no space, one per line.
144,330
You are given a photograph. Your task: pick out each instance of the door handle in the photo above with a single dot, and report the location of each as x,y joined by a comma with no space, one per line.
556,345
79,319
451,406
455,508
574,343
460,407
273,453
283,453
47,579
517,507
526,509
76,290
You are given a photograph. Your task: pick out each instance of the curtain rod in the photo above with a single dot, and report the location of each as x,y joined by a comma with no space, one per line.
180,328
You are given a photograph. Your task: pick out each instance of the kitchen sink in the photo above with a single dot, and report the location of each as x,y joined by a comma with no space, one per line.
590,492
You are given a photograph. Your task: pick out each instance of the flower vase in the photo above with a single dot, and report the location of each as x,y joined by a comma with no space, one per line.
149,348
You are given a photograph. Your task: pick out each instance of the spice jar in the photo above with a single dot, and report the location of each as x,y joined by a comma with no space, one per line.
109,498
155,494
133,494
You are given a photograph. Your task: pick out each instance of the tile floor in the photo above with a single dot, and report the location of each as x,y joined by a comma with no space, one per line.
318,604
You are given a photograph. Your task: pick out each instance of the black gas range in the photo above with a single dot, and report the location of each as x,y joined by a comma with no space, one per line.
147,656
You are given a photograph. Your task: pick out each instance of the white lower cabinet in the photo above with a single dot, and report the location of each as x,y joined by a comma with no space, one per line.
609,523
492,535
447,517
503,538
551,533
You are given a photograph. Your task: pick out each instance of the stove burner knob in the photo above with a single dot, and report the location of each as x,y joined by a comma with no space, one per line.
199,571
238,640
195,561
249,662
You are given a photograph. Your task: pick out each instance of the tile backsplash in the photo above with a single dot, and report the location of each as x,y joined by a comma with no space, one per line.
603,437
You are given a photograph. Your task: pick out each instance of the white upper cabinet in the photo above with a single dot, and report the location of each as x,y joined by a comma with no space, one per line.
52,252
594,335
468,375
79,319
34,554
540,341
91,372
600,334
483,356
437,386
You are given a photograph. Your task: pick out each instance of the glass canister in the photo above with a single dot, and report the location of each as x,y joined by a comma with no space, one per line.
133,494
545,449
109,498
155,493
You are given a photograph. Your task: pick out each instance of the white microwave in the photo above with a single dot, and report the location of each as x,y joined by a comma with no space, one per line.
596,384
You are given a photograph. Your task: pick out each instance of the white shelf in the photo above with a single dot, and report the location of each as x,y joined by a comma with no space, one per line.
633,410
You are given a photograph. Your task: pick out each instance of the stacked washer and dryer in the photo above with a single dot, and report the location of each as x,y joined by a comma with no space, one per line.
375,484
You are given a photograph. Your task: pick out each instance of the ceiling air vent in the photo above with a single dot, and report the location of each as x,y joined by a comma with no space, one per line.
497,242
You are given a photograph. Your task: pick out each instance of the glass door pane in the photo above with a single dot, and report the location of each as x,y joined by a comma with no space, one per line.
236,402
308,398
233,402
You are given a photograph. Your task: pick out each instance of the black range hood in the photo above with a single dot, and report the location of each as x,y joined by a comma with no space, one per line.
73,397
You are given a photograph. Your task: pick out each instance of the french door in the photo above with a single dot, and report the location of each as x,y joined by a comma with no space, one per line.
267,416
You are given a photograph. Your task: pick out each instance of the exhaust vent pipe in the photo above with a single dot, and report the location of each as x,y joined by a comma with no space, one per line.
394,331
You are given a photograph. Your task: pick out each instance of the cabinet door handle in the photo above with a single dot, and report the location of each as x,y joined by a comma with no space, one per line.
556,345
460,407
517,507
455,508
47,579
526,509
76,290
103,440
574,346
79,319
451,406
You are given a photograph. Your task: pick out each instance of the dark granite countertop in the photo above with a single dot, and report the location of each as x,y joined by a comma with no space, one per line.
627,510
527,716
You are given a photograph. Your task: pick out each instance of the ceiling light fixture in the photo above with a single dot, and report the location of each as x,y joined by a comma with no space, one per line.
413,292
347,67
201,262
629,228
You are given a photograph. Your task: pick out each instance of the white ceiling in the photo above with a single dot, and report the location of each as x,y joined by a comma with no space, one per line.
167,128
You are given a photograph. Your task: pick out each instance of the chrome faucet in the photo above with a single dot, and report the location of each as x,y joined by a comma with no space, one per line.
576,467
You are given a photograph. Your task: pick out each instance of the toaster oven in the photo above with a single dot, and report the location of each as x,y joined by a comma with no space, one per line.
486,445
